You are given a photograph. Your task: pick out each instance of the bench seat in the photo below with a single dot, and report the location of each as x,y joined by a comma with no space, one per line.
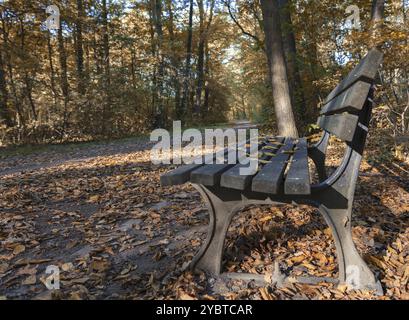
283,168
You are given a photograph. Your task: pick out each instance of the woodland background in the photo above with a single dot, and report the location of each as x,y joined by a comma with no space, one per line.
119,68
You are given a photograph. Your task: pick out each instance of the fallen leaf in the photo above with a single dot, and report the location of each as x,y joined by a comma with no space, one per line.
27,271
265,219
3,267
67,266
184,296
31,280
19,249
94,199
99,266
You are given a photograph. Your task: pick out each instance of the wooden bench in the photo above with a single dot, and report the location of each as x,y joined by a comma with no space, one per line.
284,177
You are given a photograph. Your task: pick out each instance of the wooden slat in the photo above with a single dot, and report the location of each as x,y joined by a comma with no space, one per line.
365,71
233,179
210,174
178,176
297,181
341,125
182,174
270,178
351,100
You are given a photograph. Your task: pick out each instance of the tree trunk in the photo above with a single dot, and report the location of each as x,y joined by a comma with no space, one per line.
64,78
107,65
207,75
174,59
200,60
277,68
52,71
157,19
96,51
4,111
133,67
28,79
106,114
20,119
290,48
186,83
154,92
378,13
79,54
204,32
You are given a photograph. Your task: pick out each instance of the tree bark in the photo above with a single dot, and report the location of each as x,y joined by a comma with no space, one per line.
186,83
79,48
174,58
106,123
290,48
4,111
20,118
204,31
158,24
377,19
28,79
107,65
207,75
152,109
63,77
52,71
200,59
277,69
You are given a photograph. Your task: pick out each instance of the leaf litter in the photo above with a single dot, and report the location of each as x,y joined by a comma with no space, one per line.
115,233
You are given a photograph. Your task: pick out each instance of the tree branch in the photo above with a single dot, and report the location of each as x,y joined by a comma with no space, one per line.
254,37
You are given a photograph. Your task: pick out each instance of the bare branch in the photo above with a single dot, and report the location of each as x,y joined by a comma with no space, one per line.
254,37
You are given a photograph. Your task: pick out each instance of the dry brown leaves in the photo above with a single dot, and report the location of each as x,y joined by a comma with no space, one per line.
115,233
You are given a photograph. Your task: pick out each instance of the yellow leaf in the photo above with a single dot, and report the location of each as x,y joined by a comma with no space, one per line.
265,295
184,296
297,260
343,288
377,262
94,198
321,257
265,219
75,296
309,266
67,266
19,249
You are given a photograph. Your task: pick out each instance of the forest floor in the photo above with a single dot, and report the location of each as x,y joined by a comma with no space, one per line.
98,212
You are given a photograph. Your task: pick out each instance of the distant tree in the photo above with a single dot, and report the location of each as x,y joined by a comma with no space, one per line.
186,75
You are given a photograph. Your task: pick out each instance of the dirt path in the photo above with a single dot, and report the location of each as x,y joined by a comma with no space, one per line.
70,154
82,152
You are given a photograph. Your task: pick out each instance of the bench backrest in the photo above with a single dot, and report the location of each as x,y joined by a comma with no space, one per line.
344,106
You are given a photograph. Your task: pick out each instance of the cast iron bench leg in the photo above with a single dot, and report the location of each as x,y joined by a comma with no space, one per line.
335,204
352,268
209,258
